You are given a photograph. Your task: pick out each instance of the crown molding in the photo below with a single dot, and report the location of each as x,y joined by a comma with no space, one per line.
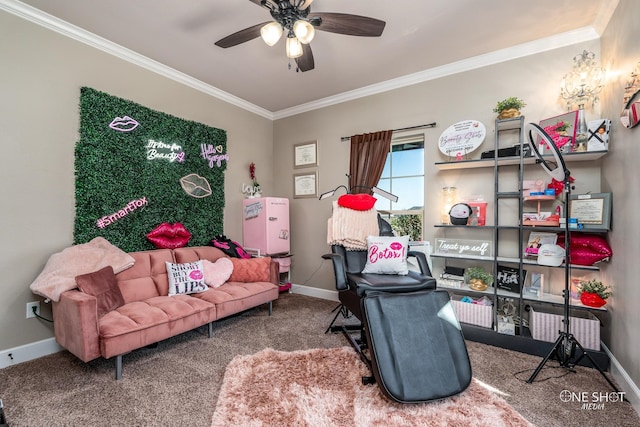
538,46
52,23
43,19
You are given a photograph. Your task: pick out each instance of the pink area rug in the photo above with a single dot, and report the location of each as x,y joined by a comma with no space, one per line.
322,387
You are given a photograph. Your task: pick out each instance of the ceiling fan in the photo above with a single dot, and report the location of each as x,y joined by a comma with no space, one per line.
294,19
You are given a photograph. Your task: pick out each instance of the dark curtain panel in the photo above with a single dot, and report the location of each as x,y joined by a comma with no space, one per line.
368,155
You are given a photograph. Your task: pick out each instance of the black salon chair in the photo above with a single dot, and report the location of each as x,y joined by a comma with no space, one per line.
352,284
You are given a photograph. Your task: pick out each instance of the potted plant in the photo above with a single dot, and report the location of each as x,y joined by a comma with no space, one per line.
509,108
594,293
477,278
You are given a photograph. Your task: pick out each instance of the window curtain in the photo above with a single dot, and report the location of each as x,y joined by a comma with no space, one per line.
368,155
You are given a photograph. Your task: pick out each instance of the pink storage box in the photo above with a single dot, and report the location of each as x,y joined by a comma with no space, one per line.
473,314
585,326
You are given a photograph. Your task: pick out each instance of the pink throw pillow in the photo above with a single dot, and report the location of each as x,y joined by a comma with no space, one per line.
218,272
250,270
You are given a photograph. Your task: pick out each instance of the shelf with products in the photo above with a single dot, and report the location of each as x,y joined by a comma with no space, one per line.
508,242
584,156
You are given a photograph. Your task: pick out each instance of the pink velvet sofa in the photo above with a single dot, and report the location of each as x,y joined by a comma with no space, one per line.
149,315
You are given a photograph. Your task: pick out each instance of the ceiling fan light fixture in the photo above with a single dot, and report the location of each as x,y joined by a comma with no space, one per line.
304,31
294,48
271,33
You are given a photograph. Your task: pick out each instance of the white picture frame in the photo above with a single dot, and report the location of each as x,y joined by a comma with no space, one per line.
305,154
305,185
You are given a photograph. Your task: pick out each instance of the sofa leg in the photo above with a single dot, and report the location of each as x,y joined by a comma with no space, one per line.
270,307
119,367
210,329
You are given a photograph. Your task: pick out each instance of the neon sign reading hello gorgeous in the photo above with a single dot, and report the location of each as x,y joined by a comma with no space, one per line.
131,206
213,154
160,150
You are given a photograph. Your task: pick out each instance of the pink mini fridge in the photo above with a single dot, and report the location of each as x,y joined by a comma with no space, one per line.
265,225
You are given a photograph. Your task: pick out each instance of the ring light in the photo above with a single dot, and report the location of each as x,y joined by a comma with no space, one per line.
559,170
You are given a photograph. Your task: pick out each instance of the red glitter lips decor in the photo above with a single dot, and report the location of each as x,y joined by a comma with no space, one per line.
169,236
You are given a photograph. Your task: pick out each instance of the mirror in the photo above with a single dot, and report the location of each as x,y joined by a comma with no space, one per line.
630,116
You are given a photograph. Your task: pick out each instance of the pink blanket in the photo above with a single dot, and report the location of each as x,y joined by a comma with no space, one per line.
59,274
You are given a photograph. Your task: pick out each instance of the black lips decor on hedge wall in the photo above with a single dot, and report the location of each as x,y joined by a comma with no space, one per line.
137,168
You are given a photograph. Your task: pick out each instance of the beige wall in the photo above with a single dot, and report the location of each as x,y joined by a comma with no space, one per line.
621,176
467,95
472,95
40,79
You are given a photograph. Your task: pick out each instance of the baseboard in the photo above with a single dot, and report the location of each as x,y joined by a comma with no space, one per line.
315,292
631,390
27,352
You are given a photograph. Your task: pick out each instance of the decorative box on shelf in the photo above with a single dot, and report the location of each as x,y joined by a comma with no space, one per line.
473,314
582,324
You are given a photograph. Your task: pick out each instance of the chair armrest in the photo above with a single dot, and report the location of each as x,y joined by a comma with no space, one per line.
339,270
75,324
422,262
274,273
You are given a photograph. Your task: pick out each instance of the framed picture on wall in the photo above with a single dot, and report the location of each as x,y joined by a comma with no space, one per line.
305,185
592,210
305,154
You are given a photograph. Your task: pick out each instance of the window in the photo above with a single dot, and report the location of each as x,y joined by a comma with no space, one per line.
403,175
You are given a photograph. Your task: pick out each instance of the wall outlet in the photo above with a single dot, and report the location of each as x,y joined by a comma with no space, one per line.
30,306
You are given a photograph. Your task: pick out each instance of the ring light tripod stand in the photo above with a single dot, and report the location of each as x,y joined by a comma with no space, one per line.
565,346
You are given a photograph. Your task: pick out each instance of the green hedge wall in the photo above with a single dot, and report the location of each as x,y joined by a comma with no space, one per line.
128,173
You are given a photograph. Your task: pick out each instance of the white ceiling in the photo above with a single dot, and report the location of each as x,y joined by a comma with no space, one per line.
422,38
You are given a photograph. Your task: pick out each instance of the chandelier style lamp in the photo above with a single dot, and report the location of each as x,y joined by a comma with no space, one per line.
298,32
582,85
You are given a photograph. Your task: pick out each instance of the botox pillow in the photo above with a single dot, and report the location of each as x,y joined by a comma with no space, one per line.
387,255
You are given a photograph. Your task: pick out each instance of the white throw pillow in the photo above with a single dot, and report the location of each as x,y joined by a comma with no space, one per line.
187,278
387,255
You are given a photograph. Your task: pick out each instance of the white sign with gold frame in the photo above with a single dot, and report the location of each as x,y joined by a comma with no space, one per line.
305,185
305,154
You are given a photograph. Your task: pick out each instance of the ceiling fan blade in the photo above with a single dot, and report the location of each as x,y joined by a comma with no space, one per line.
305,62
241,36
351,25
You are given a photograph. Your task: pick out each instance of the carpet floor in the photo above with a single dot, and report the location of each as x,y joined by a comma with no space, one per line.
178,382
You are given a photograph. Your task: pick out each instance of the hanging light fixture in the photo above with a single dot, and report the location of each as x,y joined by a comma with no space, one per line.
294,47
271,33
581,85
304,31
584,82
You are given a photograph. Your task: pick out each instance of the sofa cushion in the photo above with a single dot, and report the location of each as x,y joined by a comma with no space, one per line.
186,278
148,276
218,272
250,270
195,253
102,284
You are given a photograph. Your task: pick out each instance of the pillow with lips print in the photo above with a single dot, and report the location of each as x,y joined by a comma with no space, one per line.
187,278
387,255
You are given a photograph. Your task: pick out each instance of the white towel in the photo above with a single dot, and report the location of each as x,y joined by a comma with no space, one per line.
350,228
